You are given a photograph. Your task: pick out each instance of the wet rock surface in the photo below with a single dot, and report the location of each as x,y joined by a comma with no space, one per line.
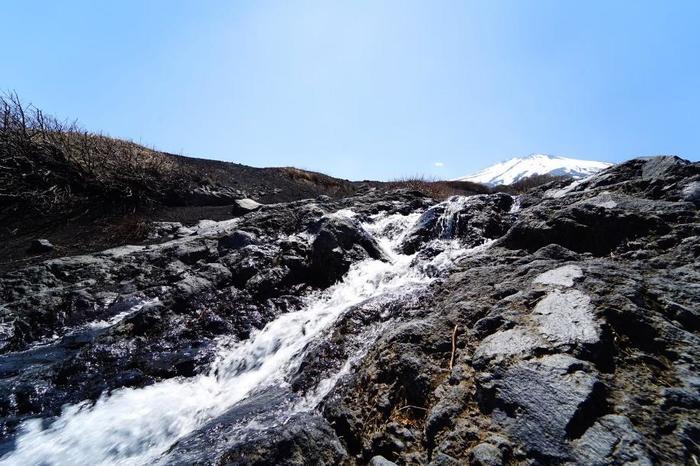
568,336
135,315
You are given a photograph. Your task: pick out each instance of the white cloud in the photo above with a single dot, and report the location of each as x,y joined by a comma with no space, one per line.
439,164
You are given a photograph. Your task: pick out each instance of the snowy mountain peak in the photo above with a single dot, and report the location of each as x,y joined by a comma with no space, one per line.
516,169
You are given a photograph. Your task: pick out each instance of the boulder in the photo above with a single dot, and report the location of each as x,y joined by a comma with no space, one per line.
339,242
485,454
611,440
380,461
566,319
302,439
244,206
543,402
691,192
594,227
237,240
40,246
208,195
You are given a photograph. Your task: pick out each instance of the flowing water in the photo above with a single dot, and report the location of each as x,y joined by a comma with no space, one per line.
137,425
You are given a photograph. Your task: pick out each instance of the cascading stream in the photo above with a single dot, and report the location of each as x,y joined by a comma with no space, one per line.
136,426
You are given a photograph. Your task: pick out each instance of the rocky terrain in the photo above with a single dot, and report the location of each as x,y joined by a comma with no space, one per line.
384,327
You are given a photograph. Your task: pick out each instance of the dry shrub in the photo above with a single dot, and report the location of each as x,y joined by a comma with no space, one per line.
309,177
526,184
48,166
437,189
130,228
301,175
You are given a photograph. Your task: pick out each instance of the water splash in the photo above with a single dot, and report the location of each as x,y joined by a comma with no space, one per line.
136,426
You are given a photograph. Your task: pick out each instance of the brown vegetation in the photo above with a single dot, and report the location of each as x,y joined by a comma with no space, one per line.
312,178
442,189
51,167
528,183
85,191
437,189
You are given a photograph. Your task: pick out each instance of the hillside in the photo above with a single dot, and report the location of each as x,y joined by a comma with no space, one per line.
85,191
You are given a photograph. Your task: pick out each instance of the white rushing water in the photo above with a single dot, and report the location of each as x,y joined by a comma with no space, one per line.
136,426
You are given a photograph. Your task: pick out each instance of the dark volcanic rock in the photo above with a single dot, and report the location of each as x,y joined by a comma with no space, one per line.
339,242
611,440
244,206
544,402
576,334
305,439
471,219
163,305
40,246
302,439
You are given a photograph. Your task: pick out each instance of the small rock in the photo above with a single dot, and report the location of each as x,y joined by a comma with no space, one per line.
40,246
191,252
237,240
611,440
379,460
485,454
181,232
244,206
191,284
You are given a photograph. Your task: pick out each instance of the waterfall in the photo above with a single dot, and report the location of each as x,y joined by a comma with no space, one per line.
134,426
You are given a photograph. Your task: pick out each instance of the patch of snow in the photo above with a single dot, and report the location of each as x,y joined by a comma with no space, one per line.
557,193
516,169
604,199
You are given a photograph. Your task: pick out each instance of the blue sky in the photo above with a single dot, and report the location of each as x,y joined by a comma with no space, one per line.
367,89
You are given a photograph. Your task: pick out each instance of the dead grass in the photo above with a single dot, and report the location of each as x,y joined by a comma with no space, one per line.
528,183
50,166
442,189
130,228
313,178
437,189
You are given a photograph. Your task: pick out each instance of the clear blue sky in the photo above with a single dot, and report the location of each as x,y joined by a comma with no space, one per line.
367,89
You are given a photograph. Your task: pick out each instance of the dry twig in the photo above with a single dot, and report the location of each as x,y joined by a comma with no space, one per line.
454,346
413,407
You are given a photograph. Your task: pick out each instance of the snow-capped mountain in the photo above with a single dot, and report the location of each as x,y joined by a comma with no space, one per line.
536,164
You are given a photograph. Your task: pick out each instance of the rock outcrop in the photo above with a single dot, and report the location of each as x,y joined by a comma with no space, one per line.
576,335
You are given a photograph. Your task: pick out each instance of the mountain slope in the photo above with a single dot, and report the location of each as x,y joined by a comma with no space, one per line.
518,168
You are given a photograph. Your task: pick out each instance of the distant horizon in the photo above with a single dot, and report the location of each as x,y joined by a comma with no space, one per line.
29,104
367,90
451,177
